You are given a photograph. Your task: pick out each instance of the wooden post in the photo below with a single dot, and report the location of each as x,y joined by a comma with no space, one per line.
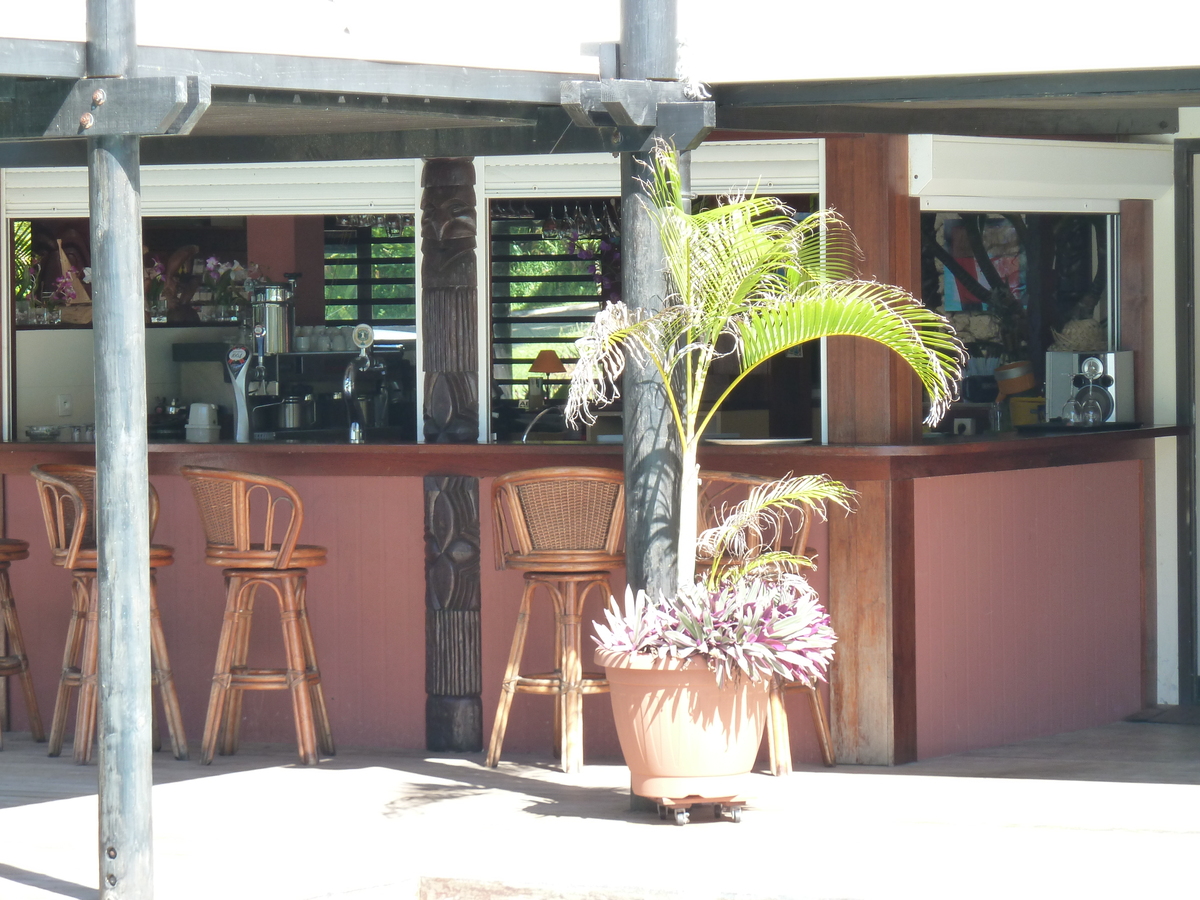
449,295
122,516
874,398
453,650
652,452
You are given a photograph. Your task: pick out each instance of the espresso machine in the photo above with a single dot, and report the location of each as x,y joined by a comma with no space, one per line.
272,324
367,393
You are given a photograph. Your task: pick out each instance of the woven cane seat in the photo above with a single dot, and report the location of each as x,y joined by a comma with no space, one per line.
12,549
161,556
304,556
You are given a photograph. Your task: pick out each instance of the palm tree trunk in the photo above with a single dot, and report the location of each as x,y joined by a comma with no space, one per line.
689,490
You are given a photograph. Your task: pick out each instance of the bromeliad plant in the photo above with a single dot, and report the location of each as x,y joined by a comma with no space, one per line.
748,276
759,627
751,613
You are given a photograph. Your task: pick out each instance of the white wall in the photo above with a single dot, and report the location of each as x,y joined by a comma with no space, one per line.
61,362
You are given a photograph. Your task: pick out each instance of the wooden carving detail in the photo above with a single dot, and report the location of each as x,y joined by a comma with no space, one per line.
451,407
450,300
453,654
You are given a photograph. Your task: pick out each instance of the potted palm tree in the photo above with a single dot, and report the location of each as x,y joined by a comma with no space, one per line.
747,281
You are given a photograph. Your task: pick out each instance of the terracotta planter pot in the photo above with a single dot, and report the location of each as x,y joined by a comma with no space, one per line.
682,736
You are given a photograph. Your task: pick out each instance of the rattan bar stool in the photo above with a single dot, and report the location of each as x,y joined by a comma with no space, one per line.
718,492
564,528
68,496
16,662
234,506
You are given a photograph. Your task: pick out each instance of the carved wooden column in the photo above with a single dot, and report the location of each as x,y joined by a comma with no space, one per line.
449,300
453,658
874,398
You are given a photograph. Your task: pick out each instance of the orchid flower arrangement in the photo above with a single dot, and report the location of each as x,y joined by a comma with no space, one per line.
226,280
65,291
154,279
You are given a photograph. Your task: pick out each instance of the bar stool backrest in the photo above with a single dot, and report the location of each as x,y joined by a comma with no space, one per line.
721,491
237,507
565,516
68,496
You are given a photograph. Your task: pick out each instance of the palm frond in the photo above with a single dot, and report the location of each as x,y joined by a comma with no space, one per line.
868,309
750,523
773,563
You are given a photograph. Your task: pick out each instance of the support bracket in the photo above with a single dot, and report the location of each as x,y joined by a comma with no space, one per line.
160,105
669,107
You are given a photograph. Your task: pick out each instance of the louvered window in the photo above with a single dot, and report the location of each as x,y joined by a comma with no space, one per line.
553,263
370,272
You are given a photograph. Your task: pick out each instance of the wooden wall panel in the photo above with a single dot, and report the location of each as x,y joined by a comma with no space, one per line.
870,393
1028,605
1137,300
871,593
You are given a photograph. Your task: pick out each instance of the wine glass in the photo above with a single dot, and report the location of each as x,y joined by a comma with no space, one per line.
1091,413
1072,412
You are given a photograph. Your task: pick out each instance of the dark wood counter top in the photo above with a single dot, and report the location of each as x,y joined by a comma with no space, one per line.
935,456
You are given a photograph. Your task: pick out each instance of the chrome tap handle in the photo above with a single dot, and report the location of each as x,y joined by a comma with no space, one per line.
260,345
349,389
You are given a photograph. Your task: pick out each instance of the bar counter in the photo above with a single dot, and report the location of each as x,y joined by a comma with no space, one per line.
847,462
997,604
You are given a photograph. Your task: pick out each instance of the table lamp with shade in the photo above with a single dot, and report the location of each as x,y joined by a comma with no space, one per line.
546,363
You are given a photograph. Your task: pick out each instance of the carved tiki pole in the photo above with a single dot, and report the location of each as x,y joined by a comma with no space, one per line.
453,657
449,298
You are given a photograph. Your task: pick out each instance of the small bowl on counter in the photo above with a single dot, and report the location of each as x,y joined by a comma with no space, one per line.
43,433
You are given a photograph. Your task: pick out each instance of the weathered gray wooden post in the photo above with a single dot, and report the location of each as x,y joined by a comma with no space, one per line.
649,52
122,516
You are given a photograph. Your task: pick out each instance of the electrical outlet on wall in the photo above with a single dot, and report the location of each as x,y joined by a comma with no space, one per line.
64,404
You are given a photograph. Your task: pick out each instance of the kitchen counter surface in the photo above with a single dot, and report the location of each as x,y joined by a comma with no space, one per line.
934,456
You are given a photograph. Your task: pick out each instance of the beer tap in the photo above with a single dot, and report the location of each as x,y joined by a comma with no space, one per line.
235,361
363,337
260,369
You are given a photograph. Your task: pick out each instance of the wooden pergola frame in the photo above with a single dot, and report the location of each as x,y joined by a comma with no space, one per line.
112,105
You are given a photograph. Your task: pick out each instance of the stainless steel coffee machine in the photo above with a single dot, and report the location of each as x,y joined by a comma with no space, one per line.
367,393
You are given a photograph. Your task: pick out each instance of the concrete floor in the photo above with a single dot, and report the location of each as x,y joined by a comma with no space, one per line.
1108,812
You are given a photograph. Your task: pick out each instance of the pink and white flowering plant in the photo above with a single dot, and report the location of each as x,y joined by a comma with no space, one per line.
226,280
761,626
